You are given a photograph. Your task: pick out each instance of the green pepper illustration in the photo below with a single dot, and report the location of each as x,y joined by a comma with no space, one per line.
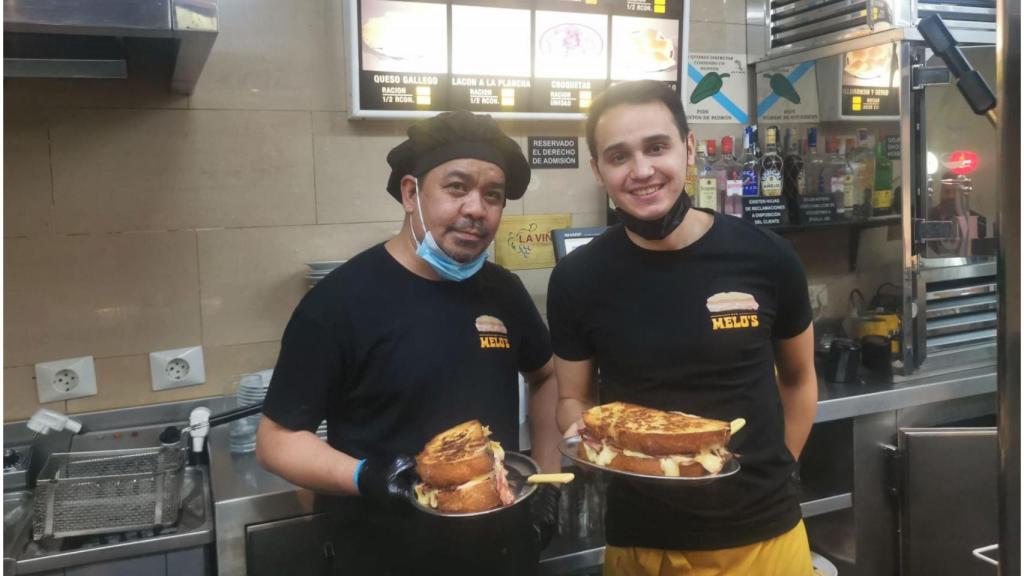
707,87
781,86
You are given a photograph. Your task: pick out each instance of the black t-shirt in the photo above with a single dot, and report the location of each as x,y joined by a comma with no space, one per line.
691,330
390,359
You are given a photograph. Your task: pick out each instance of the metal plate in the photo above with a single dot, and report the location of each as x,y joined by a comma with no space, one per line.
570,448
519,466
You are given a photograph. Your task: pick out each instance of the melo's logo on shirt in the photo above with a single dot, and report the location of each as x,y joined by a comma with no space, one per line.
493,333
731,310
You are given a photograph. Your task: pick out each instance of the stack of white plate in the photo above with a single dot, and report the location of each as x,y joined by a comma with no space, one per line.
252,389
317,270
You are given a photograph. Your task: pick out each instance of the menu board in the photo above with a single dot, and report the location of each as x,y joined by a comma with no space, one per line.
530,59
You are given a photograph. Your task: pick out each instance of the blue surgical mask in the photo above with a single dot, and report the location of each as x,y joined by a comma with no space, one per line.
445,266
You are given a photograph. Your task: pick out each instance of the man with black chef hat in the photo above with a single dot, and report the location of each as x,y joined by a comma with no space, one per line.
387,349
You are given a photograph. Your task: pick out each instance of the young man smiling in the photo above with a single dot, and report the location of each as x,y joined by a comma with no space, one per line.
685,309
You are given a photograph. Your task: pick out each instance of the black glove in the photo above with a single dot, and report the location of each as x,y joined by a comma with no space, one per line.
544,513
386,481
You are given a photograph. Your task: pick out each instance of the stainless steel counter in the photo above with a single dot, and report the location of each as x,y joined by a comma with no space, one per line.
838,401
246,494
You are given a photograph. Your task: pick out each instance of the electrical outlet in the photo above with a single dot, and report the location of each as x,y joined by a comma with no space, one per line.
177,368
66,379
819,296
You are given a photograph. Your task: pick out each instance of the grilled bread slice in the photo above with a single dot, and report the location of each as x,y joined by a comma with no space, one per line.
473,496
660,433
598,420
656,466
456,456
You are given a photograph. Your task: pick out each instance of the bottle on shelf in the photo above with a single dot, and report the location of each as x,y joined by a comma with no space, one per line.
770,175
792,175
839,176
691,177
814,166
707,183
729,177
852,199
751,187
863,163
881,193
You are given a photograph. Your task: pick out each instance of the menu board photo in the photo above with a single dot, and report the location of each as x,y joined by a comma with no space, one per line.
871,83
534,59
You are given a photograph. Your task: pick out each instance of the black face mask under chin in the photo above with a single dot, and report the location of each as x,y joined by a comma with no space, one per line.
660,228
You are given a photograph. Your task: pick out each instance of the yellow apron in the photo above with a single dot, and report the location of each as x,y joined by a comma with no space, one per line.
784,555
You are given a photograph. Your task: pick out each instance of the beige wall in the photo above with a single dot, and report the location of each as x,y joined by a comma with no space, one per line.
138,220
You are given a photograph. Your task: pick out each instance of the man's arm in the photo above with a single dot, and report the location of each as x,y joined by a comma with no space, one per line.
798,387
303,459
577,390
544,434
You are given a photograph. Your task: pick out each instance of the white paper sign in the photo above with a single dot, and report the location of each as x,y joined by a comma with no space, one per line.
788,95
716,89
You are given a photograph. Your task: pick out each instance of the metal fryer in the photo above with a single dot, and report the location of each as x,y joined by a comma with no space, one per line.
106,491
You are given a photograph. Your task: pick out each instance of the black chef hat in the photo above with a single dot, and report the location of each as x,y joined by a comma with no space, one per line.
452,135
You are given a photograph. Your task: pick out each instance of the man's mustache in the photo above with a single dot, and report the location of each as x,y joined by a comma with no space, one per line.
472,226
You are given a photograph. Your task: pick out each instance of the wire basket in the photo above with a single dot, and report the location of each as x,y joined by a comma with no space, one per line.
82,493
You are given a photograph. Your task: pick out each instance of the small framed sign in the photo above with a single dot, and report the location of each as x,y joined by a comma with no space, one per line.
765,210
817,209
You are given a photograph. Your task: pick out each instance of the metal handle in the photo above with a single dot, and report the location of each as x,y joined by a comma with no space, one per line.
236,414
229,416
980,553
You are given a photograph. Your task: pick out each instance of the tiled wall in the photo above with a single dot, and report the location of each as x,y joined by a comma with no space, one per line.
138,220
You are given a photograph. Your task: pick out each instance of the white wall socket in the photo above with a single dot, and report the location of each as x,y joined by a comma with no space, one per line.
177,368
66,379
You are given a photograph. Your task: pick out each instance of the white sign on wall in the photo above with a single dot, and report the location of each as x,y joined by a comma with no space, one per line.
788,94
716,89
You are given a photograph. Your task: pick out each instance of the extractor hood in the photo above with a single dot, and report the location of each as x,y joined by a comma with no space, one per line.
95,38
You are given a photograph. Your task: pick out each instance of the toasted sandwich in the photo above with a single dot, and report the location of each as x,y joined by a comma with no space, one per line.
653,442
462,471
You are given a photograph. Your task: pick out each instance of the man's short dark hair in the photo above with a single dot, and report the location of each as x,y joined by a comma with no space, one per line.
635,92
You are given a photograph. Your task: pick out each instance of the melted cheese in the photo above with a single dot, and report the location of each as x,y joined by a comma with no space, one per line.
710,460
602,458
669,466
499,452
736,425
425,496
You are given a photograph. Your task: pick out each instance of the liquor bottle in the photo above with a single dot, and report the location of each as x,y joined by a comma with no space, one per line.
729,177
707,183
792,176
851,199
863,163
881,193
814,165
838,174
771,165
691,178
750,164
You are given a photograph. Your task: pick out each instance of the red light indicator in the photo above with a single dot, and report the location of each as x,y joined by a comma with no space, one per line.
962,162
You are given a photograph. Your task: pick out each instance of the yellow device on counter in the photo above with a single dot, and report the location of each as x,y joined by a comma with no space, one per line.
887,325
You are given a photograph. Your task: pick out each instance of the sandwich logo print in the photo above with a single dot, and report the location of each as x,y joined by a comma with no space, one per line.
493,333
733,310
